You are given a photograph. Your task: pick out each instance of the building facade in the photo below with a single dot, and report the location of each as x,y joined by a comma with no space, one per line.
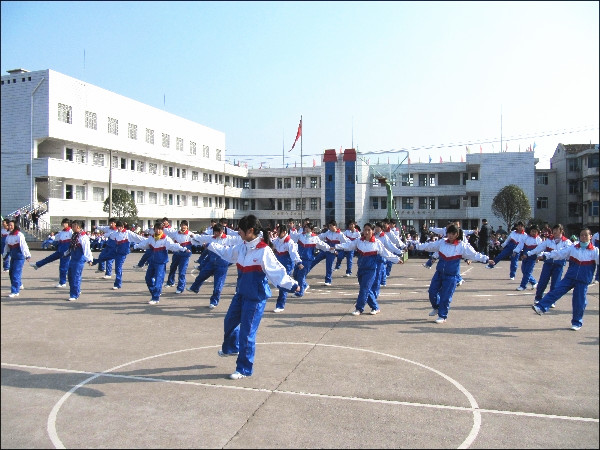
65,143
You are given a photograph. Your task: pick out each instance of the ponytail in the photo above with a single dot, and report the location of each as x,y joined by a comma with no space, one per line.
251,221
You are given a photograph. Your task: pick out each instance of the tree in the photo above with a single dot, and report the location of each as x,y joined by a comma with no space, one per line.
123,206
511,205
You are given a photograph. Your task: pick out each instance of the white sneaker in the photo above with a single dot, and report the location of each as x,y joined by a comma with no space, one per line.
34,265
537,310
116,288
190,290
222,354
21,287
375,311
553,305
178,291
460,283
356,313
575,328
278,310
72,299
236,376
520,288
533,286
211,306
153,302
440,320
108,277
433,312
61,285
13,295
348,275
512,278
306,288
327,284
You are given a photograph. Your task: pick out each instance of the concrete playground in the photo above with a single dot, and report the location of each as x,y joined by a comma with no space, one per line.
111,371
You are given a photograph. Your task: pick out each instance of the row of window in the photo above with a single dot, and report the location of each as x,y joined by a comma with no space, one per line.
65,114
444,202
14,80
286,183
425,180
574,164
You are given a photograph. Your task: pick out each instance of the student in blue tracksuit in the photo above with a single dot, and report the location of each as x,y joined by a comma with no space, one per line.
121,248
62,239
159,244
516,236
5,233
180,260
80,253
286,252
596,242
528,261
583,259
351,234
15,246
212,264
381,236
553,268
452,250
369,250
257,266
308,243
331,237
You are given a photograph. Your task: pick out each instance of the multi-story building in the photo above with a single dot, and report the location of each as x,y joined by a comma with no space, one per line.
577,194
65,143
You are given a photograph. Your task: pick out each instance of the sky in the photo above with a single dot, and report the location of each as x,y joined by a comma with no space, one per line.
387,78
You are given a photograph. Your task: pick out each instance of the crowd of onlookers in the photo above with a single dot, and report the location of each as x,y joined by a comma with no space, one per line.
28,219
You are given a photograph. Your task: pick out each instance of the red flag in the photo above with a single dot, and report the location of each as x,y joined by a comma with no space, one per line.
480,149
340,149
298,134
440,159
461,159
408,160
314,162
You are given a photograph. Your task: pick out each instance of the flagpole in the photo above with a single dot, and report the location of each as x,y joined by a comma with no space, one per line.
301,178
282,149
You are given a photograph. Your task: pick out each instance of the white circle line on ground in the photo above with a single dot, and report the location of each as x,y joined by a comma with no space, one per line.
51,423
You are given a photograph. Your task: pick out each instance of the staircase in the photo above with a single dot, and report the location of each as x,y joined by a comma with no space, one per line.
33,237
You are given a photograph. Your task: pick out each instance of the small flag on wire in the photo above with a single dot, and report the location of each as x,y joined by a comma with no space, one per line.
314,162
441,159
468,151
533,145
409,161
461,159
429,159
298,134
480,149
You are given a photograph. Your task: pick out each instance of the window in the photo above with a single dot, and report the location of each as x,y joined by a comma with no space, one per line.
152,168
192,148
123,163
179,144
287,183
383,203
594,208
541,178
593,160
166,140
205,151
300,182
65,113
113,126
407,202
194,175
474,176
115,162
194,200
69,191
152,198
314,182
205,202
594,185
132,164
141,166
178,173
149,136
139,197
300,206
431,202
91,120
474,201
69,154
574,209
541,202
375,202
314,202
422,202
423,179
98,194
170,171
432,179
279,183
79,192
132,132
80,156
572,165
98,159
574,187
218,154
246,184
183,173
407,179
168,199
